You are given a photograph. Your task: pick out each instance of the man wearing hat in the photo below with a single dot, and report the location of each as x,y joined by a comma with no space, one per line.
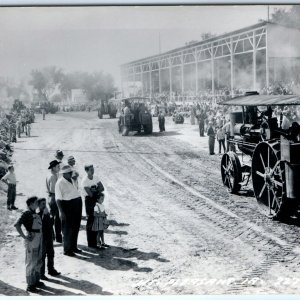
59,155
71,163
70,207
51,180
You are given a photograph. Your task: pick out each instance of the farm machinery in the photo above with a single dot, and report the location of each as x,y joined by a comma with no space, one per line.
264,150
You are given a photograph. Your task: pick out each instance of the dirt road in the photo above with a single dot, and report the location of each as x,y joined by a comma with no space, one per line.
175,230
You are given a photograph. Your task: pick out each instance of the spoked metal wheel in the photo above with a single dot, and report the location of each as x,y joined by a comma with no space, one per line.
268,178
231,171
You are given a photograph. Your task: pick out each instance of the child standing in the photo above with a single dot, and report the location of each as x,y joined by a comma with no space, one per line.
47,243
100,223
33,243
10,179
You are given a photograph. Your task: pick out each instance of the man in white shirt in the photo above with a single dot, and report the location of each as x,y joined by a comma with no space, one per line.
10,179
70,207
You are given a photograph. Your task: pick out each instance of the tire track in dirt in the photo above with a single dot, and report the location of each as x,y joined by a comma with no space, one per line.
282,248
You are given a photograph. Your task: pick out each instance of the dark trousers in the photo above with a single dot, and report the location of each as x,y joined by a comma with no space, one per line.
161,124
11,195
71,212
201,129
211,144
48,251
54,213
91,235
222,143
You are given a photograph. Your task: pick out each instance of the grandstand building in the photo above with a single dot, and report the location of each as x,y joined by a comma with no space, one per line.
250,58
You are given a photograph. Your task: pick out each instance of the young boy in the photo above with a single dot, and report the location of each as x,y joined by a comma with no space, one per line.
47,244
10,179
33,243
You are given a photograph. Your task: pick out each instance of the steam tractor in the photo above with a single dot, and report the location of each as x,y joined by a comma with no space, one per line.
139,117
262,149
107,108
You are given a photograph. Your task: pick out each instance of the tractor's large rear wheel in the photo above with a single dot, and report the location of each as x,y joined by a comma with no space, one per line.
148,128
231,172
268,179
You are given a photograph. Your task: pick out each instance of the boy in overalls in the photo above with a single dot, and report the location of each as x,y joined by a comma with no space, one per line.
33,244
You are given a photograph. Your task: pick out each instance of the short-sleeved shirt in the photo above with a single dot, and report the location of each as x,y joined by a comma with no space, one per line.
26,220
127,111
86,182
50,182
65,190
10,178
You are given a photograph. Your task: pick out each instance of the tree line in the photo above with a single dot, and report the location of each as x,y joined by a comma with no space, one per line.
53,84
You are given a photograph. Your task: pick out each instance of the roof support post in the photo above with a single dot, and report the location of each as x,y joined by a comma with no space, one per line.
231,67
254,61
142,80
267,60
159,77
170,76
212,70
182,74
150,80
123,70
196,75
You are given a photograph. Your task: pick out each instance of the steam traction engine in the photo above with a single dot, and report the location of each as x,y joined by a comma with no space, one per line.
261,149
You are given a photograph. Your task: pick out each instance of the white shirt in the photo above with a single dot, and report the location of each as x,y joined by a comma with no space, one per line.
75,182
10,178
86,182
286,124
64,190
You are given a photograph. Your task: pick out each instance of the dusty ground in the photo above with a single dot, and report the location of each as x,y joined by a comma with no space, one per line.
175,229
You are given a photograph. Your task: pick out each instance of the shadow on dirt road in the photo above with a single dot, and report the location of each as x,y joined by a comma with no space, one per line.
118,258
9,290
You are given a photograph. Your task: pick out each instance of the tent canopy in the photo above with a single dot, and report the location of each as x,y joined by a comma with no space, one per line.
263,100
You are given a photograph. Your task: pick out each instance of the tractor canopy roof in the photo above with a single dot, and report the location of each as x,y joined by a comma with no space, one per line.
263,100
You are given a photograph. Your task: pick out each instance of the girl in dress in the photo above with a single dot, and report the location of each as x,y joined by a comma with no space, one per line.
100,222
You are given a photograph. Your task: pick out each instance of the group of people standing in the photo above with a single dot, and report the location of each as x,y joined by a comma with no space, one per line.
61,222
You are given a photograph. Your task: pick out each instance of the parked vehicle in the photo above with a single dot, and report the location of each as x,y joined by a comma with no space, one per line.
107,108
139,117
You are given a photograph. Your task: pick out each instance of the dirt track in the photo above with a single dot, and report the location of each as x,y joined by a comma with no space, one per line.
175,230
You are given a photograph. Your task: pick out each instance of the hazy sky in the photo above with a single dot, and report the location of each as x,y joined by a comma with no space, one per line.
102,38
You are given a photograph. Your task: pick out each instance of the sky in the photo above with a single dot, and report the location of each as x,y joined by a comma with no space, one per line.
102,38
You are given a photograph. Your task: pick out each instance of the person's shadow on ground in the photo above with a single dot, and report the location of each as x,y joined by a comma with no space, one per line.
115,223
118,258
9,290
85,286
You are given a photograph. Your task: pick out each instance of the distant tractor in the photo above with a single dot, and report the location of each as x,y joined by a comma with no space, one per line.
137,118
178,118
107,108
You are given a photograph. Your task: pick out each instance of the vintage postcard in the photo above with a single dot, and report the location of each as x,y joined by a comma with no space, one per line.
149,150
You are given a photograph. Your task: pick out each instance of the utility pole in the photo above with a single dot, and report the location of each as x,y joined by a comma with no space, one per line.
268,10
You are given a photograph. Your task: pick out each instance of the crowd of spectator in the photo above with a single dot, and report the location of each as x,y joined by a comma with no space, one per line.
12,126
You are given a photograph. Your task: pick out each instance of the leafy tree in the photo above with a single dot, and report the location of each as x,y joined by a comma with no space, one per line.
290,17
71,81
207,35
98,86
45,81
56,98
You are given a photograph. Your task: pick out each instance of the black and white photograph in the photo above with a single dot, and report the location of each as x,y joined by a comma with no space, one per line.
150,150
